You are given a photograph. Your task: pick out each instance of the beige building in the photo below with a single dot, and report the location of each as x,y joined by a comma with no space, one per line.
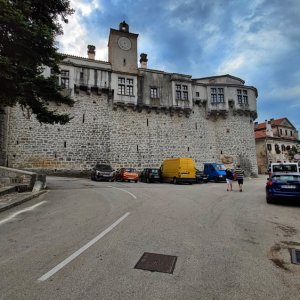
276,141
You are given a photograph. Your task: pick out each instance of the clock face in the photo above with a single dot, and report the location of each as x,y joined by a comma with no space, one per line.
124,43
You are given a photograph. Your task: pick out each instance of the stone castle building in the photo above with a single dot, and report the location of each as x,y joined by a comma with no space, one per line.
130,115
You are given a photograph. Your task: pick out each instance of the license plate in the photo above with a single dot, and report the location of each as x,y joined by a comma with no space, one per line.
288,186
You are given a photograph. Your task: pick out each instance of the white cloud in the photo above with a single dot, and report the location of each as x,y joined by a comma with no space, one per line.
76,35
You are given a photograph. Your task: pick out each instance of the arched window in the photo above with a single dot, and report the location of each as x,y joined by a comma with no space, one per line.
282,148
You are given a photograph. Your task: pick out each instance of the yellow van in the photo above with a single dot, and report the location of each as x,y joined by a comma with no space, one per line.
182,169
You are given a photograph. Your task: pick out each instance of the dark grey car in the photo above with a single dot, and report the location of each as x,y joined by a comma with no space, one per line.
103,172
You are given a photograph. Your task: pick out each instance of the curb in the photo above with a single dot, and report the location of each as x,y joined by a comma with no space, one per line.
22,200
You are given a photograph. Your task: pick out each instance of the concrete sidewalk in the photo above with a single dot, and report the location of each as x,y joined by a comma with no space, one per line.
9,197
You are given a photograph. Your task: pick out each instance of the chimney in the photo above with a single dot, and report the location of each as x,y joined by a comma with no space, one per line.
91,52
143,60
269,131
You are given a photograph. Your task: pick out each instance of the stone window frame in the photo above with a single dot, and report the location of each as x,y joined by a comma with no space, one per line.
125,86
154,92
242,96
181,92
65,79
217,95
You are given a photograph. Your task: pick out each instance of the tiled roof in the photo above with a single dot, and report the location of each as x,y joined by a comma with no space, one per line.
273,123
260,134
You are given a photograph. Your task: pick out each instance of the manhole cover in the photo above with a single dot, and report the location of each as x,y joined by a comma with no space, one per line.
157,263
295,254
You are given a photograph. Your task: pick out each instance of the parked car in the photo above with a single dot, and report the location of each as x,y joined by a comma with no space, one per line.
127,174
215,172
150,175
283,186
284,168
176,170
201,177
103,172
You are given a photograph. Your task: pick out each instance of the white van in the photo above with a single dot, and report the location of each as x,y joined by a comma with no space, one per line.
284,168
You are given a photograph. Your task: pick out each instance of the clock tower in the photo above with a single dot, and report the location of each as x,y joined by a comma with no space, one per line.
122,49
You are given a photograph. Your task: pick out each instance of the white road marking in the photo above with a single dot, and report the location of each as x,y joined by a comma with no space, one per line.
82,249
21,211
123,191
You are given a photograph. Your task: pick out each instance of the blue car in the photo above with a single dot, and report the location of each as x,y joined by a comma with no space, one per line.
283,186
215,172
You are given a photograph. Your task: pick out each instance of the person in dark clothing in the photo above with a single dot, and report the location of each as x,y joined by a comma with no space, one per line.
229,179
239,173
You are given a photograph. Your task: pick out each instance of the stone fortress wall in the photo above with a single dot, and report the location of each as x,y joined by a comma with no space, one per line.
126,137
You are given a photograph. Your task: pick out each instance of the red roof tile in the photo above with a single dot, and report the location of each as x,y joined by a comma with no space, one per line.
260,134
273,123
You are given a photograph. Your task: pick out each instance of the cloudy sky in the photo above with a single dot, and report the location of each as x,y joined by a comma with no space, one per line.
256,40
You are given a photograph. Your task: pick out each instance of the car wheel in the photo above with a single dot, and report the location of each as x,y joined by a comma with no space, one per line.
148,180
92,177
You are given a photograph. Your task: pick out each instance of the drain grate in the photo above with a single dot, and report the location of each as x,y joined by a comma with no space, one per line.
295,255
157,263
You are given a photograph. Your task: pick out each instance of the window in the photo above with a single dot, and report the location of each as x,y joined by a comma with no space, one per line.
286,132
282,148
291,132
269,147
217,95
121,85
182,92
129,87
242,96
197,94
280,131
129,90
245,96
153,93
64,81
125,86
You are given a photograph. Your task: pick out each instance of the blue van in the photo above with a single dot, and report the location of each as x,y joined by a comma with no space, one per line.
215,172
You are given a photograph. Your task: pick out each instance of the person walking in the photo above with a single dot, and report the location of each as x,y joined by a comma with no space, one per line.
239,172
229,178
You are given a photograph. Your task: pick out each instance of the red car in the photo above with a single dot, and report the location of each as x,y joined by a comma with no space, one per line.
127,174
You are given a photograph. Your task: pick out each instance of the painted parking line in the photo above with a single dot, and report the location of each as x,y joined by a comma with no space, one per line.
21,211
123,191
82,249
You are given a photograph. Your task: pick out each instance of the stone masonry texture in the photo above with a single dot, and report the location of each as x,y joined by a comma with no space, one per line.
124,137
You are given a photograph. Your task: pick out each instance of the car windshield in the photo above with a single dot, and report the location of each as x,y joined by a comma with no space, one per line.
286,178
220,167
104,167
130,170
285,168
154,171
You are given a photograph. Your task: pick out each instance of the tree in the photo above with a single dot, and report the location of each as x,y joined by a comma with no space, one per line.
28,29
